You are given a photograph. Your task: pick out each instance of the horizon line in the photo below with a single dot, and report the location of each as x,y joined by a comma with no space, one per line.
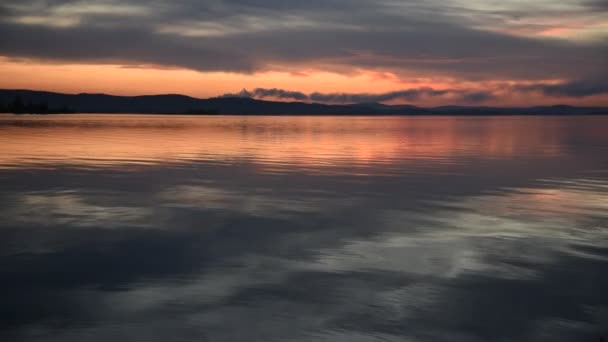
235,96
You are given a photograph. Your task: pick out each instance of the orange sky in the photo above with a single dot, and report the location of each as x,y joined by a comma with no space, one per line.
148,79
460,52
138,80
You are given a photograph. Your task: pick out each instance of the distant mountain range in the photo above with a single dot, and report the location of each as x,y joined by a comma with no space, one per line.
30,101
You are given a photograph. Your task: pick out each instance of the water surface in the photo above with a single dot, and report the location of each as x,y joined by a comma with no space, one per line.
187,228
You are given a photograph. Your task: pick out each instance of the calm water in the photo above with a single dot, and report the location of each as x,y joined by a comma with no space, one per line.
155,228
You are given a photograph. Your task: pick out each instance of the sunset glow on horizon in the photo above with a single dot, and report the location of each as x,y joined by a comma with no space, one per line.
462,52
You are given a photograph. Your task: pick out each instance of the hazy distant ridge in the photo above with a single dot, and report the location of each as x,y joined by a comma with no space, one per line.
181,104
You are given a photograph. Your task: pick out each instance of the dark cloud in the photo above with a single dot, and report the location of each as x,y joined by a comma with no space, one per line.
242,93
601,5
574,89
248,36
577,88
477,96
404,95
261,93
279,93
408,95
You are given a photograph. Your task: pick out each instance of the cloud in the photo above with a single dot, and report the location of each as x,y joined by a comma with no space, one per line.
423,37
403,95
407,95
601,5
477,96
372,272
576,88
279,93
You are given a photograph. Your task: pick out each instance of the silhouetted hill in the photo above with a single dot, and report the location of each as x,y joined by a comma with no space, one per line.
180,104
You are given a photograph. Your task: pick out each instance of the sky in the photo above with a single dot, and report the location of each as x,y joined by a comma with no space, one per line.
431,52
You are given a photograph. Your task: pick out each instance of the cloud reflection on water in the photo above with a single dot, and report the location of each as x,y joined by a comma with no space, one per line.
465,247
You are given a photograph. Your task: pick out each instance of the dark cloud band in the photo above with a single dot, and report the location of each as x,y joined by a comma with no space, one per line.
574,89
425,37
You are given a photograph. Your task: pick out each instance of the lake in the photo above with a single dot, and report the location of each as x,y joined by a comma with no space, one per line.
242,228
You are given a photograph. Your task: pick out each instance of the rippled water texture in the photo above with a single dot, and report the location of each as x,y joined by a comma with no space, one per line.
156,228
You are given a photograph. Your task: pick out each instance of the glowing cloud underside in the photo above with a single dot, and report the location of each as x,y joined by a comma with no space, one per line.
465,51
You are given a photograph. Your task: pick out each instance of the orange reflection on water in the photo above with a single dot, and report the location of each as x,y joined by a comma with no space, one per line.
109,140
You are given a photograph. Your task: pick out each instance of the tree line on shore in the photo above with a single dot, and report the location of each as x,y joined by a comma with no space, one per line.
19,106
